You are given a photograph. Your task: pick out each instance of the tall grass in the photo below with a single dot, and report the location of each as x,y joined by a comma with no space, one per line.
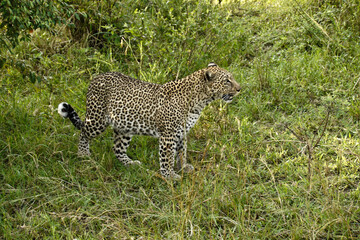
297,62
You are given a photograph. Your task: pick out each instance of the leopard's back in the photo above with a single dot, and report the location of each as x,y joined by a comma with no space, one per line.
126,103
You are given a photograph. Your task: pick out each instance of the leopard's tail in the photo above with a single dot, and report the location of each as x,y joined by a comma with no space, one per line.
66,111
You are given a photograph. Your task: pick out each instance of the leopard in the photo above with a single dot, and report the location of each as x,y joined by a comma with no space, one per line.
135,107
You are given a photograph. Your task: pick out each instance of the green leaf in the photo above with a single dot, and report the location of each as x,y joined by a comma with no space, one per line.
32,77
2,62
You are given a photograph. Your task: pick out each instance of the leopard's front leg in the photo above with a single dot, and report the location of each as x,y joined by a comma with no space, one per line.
167,149
180,158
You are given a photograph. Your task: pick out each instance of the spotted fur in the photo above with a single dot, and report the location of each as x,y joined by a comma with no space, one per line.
134,107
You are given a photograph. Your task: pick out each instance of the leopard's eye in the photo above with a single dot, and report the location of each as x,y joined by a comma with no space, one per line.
228,81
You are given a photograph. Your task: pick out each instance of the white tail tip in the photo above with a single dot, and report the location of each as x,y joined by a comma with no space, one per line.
212,64
62,109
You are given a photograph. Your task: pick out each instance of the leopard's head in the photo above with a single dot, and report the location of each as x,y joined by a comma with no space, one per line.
220,83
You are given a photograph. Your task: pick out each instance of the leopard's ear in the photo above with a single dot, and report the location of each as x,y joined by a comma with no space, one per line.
209,75
212,64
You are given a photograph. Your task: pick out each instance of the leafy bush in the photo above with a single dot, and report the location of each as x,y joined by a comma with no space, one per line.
20,17
158,33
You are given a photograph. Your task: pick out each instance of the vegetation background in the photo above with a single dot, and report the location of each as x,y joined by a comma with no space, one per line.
280,162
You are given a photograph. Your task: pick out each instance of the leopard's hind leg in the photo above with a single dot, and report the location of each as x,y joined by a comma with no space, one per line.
121,143
95,123
90,130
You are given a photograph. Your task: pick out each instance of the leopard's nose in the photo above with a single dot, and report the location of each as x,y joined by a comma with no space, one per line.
237,87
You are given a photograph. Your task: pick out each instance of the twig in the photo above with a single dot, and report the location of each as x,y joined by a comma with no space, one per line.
311,145
297,136
323,131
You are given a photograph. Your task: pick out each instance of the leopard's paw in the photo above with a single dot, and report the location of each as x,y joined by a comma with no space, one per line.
175,177
187,168
134,162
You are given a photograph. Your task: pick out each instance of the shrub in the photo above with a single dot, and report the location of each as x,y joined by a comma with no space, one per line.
20,17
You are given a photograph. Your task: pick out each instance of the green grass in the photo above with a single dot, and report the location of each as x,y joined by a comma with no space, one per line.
251,178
